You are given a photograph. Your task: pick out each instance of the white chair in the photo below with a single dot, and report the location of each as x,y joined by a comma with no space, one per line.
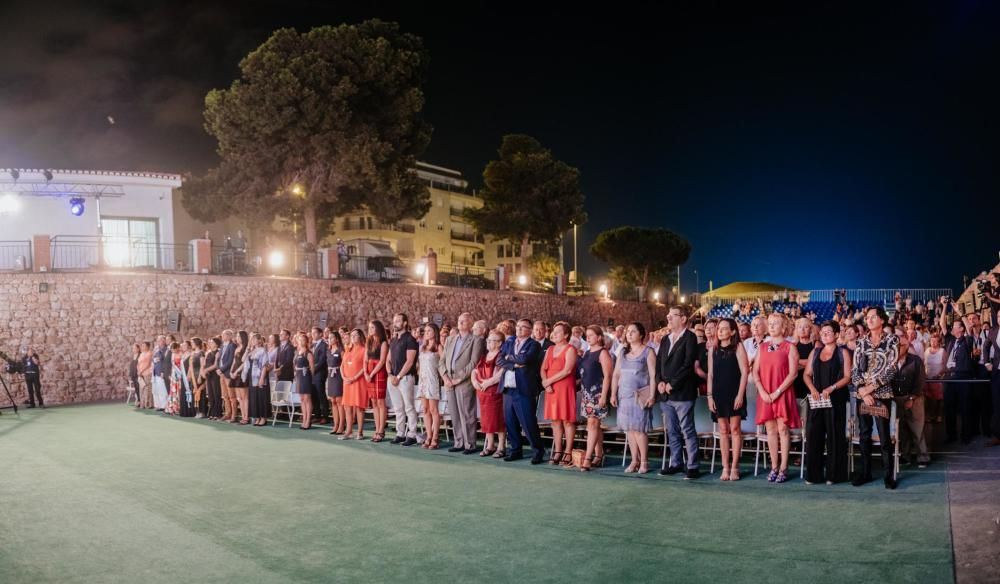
703,419
282,400
854,435
795,435
131,394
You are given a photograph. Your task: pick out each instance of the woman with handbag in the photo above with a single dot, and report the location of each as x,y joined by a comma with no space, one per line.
875,363
595,371
632,394
827,375
728,373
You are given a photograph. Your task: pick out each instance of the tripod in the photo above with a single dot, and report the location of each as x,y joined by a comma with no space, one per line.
13,404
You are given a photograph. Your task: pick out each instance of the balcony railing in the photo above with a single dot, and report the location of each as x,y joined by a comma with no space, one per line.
84,253
15,256
357,224
470,237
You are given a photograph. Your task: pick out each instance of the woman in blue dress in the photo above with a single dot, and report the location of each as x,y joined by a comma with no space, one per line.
594,374
632,394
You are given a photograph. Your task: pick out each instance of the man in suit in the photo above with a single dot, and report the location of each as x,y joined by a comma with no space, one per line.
284,360
677,390
319,373
540,332
521,383
461,354
991,357
959,365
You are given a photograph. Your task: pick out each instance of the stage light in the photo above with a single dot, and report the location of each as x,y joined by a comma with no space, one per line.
684,299
420,268
48,175
9,203
656,296
522,280
76,206
275,259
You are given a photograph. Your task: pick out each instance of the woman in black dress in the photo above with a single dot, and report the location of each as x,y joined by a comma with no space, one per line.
827,376
188,407
255,369
133,371
213,385
194,373
303,363
236,381
728,372
335,381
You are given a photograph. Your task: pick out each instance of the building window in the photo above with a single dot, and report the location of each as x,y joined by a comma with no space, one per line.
517,250
440,226
500,251
423,224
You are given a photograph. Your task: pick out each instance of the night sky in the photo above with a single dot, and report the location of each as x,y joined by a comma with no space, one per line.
824,144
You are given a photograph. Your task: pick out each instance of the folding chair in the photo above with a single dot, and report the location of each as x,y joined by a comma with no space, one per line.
131,394
282,400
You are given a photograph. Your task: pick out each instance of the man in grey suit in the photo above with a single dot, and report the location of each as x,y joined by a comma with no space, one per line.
461,354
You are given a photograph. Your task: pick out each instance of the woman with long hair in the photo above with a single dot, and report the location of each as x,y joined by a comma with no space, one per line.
631,390
255,375
486,379
335,379
774,372
429,383
728,373
133,371
355,388
376,375
236,382
934,361
559,383
303,364
213,384
195,364
595,371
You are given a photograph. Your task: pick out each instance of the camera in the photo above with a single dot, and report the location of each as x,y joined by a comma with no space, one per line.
946,299
11,365
983,286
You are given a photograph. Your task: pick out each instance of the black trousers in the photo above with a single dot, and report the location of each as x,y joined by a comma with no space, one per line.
213,389
867,424
321,405
982,405
958,404
34,383
826,444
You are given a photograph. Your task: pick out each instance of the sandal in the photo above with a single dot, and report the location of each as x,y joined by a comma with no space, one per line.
555,458
643,467
487,452
378,437
782,477
585,465
359,436
772,476
598,460
345,437
499,454
632,468
434,445
567,460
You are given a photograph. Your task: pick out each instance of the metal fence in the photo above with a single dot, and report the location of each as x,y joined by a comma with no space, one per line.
85,253
879,295
15,256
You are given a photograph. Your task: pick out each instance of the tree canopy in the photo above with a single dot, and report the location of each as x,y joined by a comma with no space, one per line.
641,256
528,195
319,123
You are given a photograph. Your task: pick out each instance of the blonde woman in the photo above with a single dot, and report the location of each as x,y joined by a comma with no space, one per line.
774,372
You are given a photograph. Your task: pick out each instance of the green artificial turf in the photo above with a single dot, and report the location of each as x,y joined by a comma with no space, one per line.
104,493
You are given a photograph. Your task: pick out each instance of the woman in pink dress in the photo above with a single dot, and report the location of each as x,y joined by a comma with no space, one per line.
559,381
774,372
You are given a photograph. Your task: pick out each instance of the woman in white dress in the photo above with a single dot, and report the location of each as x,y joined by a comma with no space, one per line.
429,384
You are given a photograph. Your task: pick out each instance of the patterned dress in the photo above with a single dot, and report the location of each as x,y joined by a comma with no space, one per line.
592,383
180,389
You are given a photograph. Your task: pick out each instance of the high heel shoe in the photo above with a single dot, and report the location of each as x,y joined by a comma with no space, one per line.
598,460
556,456
567,460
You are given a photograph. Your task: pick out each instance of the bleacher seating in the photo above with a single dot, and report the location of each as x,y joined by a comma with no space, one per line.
824,311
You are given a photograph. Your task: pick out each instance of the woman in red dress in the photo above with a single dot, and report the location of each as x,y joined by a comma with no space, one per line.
559,381
376,375
355,389
486,380
774,372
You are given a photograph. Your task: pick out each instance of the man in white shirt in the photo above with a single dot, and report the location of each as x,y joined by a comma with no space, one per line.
758,333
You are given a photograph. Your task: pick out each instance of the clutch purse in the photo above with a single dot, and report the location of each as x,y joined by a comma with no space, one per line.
879,409
822,402
643,395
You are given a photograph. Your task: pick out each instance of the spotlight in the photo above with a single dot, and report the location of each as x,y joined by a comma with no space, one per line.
656,296
48,175
15,174
76,206
420,268
684,299
275,259
522,280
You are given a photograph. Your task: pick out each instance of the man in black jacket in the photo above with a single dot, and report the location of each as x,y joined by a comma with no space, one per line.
908,389
284,361
961,367
319,373
677,390
991,358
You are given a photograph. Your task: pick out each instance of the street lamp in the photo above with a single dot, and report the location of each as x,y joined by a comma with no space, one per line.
656,297
522,280
604,290
420,268
276,260
684,299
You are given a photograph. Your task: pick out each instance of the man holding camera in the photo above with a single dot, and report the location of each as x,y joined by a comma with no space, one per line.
990,289
32,378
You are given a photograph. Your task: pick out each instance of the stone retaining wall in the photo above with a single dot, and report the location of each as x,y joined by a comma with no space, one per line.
82,325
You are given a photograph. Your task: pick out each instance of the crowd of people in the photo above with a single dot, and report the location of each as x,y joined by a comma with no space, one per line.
785,374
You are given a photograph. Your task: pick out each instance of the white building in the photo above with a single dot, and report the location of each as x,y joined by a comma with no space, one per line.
142,223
